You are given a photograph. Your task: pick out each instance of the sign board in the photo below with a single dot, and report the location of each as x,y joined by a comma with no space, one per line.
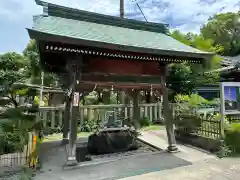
75,98
230,98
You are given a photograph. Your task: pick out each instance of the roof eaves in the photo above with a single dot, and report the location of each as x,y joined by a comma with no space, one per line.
221,70
35,34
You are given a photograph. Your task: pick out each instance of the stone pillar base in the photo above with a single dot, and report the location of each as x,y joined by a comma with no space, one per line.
71,161
65,141
172,148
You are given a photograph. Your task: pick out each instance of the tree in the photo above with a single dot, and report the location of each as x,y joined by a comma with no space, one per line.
224,29
183,78
179,80
34,68
12,69
181,37
15,120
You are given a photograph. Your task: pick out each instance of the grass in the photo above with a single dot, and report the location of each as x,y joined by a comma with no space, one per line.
153,127
58,136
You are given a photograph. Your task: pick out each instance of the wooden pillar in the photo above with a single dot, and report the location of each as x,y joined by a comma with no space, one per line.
118,99
122,97
134,94
66,120
72,135
167,113
71,154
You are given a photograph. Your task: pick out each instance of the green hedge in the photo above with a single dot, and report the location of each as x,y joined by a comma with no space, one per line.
145,121
232,138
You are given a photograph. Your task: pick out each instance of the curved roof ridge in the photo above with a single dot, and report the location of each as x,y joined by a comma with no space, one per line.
81,15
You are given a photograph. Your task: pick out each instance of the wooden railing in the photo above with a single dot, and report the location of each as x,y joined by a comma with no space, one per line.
53,116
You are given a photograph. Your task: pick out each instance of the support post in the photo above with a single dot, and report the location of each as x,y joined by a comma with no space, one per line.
167,114
134,94
66,121
71,156
122,9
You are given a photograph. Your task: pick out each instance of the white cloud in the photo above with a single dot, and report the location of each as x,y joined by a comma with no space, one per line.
193,13
188,11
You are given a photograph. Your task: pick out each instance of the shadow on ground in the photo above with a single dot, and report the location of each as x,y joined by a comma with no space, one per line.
53,158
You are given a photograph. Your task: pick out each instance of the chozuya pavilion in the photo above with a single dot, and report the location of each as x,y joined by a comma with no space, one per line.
94,50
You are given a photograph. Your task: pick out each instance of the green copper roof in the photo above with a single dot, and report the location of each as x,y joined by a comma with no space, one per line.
96,28
80,15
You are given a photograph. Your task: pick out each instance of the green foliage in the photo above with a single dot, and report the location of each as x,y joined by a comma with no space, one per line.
224,30
183,78
145,121
224,150
179,79
181,37
186,119
214,102
12,61
198,41
11,69
15,120
49,130
88,125
37,101
34,68
232,135
33,58
193,100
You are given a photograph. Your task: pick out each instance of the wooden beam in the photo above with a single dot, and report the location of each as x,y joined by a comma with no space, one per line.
86,85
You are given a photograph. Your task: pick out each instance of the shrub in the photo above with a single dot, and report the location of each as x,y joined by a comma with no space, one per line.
145,121
188,122
186,118
88,125
11,142
193,100
232,136
224,150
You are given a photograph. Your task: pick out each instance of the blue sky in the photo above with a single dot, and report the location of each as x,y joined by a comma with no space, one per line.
185,15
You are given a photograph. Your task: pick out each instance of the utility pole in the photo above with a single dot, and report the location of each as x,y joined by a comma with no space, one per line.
122,9
122,93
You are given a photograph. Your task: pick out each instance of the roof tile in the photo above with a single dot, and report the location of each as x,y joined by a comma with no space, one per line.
109,34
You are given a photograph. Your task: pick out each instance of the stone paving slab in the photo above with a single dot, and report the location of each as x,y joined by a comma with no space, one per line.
188,153
113,170
222,169
132,166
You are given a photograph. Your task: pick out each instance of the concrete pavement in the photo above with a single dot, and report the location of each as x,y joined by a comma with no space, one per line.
204,165
188,153
221,169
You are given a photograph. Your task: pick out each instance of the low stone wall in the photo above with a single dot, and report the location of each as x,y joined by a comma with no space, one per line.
205,143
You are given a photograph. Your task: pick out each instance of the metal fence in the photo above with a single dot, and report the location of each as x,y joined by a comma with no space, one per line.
233,118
